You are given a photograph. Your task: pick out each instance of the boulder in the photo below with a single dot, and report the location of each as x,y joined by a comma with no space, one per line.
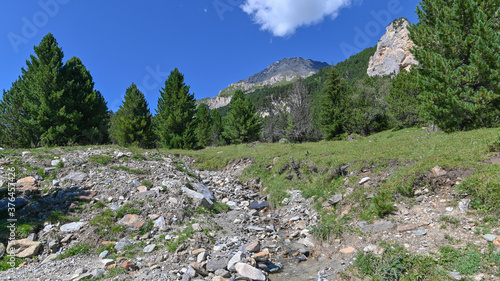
249,271
23,248
27,182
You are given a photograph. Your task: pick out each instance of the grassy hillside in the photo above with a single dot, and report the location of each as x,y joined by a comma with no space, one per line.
407,153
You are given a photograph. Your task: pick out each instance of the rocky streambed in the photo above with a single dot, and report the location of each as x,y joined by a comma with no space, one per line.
112,214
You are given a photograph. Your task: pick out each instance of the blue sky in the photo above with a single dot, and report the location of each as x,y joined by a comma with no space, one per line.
213,43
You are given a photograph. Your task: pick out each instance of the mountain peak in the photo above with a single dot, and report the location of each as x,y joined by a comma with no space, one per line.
287,66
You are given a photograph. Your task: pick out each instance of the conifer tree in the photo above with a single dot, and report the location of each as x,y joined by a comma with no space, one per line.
52,103
459,70
403,100
216,137
203,129
334,106
18,127
132,122
174,124
242,124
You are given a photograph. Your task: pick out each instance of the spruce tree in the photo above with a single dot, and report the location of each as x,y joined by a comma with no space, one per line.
334,106
203,129
18,127
132,122
52,103
216,137
174,124
403,100
242,124
459,71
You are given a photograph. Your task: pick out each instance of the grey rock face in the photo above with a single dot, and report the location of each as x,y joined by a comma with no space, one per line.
393,51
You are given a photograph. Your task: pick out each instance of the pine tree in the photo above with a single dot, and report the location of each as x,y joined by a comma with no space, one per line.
174,124
203,129
86,111
459,70
132,122
217,127
18,127
52,103
334,106
242,124
403,100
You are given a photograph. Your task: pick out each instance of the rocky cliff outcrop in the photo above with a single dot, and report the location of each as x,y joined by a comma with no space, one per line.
393,50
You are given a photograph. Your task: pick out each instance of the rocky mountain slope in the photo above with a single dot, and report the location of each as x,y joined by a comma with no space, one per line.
115,214
393,50
280,72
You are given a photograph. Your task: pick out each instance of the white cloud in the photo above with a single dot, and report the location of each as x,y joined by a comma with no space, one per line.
283,17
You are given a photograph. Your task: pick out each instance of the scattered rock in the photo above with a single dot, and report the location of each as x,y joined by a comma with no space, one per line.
107,262
253,247
490,237
75,177
222,273
497,241
214,265
335,199
87,195
348,250
420,232
236,258
463,205
122,244
161,223
249,271
201,188
261,256
199,268
103,254
438,172
23,248
50,258
406,227
149,248
363,180
198,197
72,227
129,265
2,249
27,183
131,220
378,227
258,205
